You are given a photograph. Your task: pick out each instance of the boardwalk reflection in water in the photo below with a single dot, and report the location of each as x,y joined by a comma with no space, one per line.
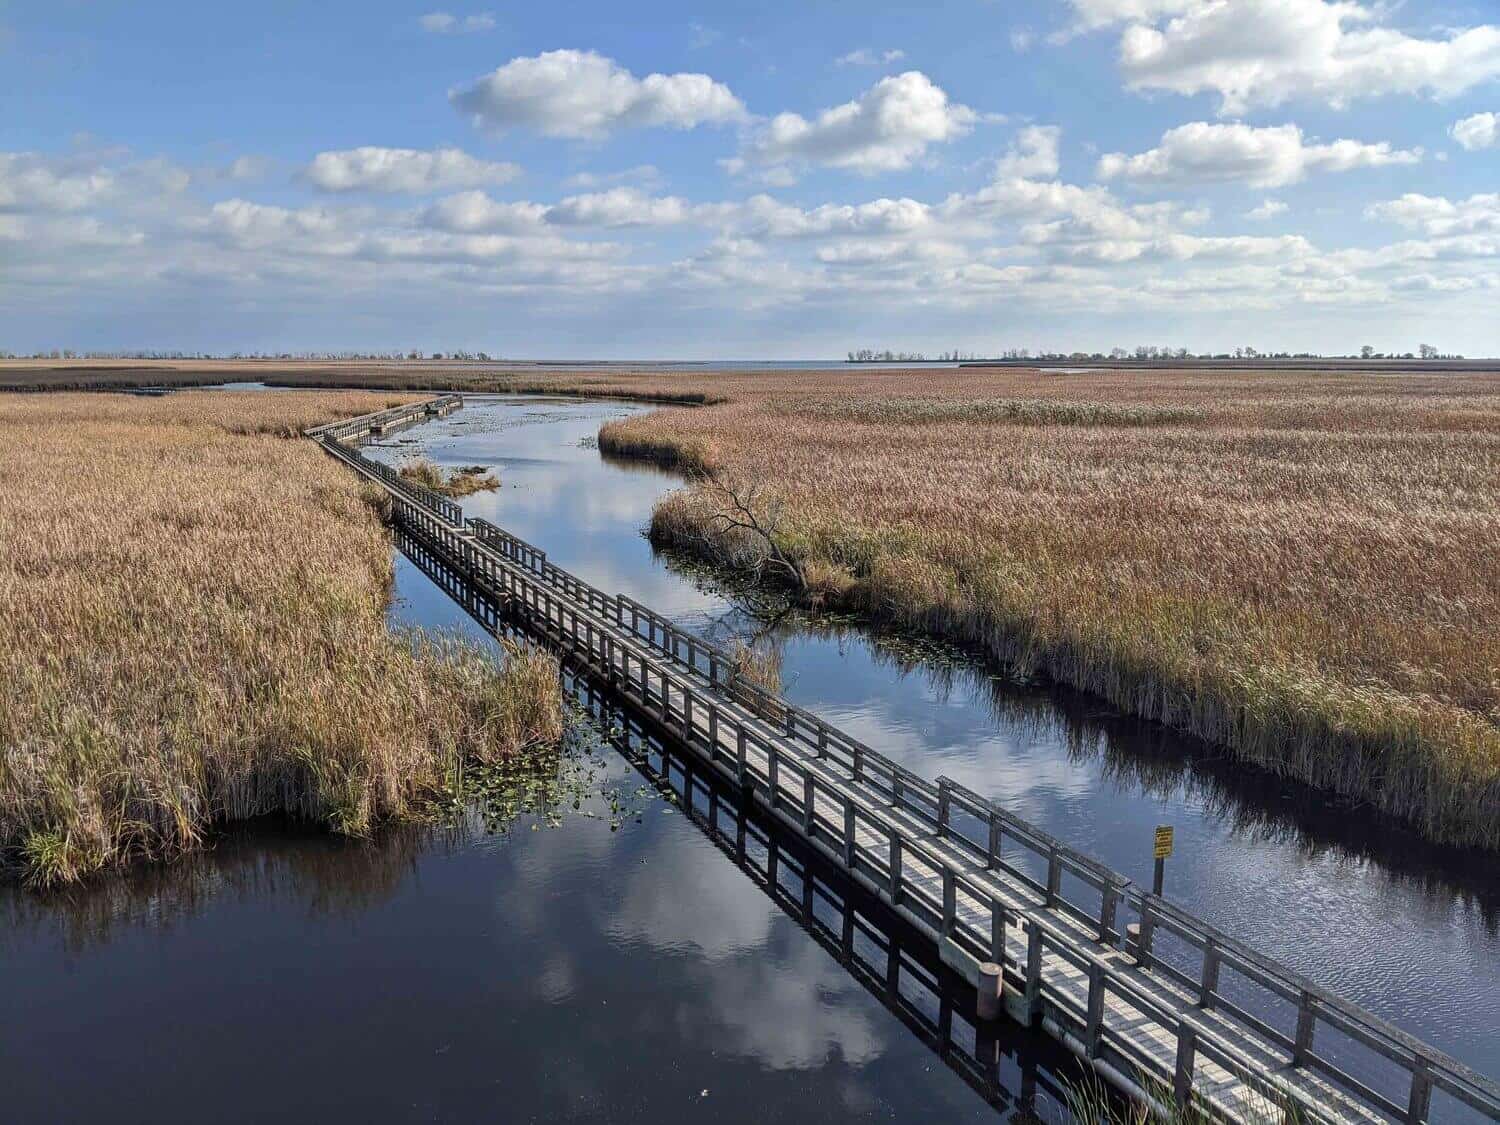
1010,1067
573,973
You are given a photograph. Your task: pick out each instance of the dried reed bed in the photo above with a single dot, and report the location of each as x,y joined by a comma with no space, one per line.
463,481
194,632
1303,568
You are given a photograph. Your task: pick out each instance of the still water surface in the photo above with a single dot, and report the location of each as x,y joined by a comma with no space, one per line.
619,962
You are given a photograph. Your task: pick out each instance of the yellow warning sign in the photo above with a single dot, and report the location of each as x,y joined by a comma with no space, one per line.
1163,841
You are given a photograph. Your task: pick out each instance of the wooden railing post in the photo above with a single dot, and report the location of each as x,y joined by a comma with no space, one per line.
992,856
1093,1031
808,796
945,806
1182,1077
850,839
1210,978
1419,1101
997,934
1033,974
1054,877
1307,1023
950,902
895,869
1108,907
1148,929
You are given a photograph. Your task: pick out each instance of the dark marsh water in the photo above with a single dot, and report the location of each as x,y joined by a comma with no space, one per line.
626,961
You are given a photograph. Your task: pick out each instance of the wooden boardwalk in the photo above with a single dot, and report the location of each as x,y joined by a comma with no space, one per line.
1173,1010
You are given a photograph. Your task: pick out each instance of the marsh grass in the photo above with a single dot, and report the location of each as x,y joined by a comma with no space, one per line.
463,481
194,633
758,664
999,411
1302,568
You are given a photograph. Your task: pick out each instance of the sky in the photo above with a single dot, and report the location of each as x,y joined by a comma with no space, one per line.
761,180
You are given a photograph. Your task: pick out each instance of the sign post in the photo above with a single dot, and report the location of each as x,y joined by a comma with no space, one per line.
1162,849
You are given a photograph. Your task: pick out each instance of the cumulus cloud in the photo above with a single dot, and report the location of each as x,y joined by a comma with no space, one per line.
474,212
1202,152
1093,14
1033,154
1477,132
764,217
413,171
247,224
31,181
1266,52
582,94
619,207
1441,217
868,56
445,23
885,129
1268,210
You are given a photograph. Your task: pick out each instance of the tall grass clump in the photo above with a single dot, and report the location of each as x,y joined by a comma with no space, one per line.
758,665
1304,569
463,481
194,633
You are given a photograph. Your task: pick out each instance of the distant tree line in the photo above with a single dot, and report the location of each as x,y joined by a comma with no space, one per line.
870,355
154,353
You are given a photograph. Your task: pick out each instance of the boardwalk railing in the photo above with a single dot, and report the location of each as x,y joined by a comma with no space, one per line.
383,420
1177,1006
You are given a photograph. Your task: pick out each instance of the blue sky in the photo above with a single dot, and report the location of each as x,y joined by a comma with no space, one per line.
750,180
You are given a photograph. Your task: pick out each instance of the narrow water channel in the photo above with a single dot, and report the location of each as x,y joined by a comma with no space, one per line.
619,960
1410,931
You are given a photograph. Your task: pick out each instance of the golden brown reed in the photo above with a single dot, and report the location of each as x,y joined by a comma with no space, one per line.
194,632
463,481
1302,567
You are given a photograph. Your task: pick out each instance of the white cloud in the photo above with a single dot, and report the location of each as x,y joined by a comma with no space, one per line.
885,129
764,217
619,207
30,181
1440,217
248,224
868,56
1021,39
1266,52
1477,132
647,175
412,171
1033,154
472,212
585,95
249,168
1268,210
1202,152
1093,14
1026,242
445,23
